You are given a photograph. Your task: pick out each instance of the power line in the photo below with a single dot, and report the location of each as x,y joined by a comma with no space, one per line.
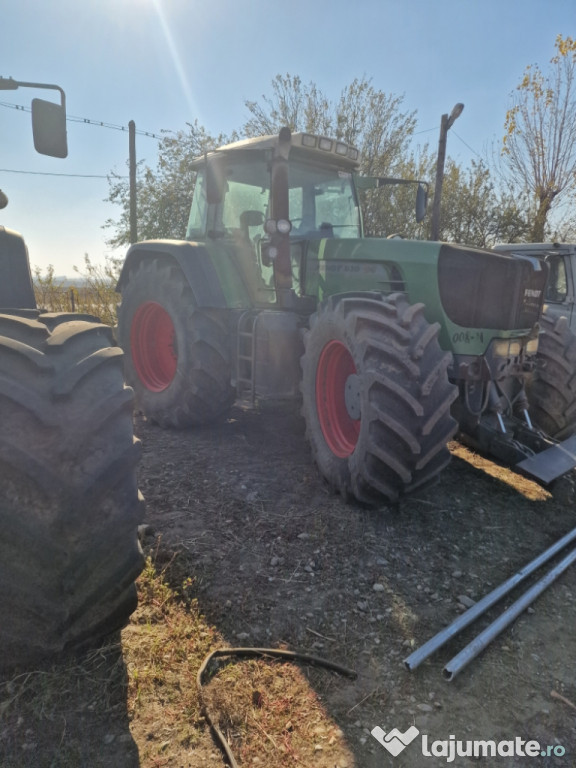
46,173
428,130
85,120
467,145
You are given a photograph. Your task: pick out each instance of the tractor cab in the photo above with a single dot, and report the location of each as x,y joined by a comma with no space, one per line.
274,200
269,200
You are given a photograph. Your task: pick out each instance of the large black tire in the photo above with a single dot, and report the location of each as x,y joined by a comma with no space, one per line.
376,396
69,504
552,389
177,356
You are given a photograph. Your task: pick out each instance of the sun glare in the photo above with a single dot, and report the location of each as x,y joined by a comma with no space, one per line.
175,56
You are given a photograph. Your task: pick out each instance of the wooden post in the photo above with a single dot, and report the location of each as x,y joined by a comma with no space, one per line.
446,123
435,223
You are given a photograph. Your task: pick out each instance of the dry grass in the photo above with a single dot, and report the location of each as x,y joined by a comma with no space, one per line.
92,292
164,646
527,488
271,716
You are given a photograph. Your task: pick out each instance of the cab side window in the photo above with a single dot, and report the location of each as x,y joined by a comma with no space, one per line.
556,291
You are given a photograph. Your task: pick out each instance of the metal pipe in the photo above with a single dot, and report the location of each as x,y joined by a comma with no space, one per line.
466,618
485,637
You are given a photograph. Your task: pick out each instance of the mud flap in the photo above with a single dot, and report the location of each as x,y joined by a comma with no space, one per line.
551,463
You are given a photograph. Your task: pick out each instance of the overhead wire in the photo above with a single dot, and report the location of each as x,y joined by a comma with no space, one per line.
85,120
467,145
75,119
47,173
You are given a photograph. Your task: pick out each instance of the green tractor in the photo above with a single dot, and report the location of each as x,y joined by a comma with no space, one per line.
393,345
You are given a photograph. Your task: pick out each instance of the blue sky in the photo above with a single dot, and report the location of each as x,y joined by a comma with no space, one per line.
163,63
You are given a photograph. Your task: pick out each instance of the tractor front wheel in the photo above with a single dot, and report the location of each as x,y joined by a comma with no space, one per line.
376,396
552,390
69,504
177,357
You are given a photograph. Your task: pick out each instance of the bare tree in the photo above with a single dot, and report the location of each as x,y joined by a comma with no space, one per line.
539,147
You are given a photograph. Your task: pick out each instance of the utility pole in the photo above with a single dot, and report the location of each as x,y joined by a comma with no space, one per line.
446,123
132,166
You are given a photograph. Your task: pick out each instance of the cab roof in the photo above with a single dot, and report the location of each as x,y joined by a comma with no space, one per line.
319,148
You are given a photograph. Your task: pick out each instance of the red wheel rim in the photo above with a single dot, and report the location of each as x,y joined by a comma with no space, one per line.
340,430
152,342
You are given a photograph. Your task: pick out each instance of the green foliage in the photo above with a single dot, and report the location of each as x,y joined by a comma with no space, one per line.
475,210
93,292
293,104
164,193
365,117
391,209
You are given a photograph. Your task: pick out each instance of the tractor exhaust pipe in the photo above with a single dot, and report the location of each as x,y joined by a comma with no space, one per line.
469,616
280,209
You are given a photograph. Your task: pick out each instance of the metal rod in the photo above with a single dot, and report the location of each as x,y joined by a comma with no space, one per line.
466,618
485,637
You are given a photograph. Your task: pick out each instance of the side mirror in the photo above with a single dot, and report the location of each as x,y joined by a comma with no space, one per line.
49,128
421,202
251,219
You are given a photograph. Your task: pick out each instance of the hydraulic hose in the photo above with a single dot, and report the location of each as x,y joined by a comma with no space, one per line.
255,653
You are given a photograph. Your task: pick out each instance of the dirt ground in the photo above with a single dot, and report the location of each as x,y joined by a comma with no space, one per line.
282,562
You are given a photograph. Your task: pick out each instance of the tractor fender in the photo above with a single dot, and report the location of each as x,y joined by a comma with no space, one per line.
193,260
16,290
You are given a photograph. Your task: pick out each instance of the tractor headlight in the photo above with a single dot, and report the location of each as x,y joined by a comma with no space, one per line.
507,348
500,348
282,226
308,140
532,346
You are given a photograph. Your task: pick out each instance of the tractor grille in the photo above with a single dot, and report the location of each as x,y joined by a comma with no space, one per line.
486,289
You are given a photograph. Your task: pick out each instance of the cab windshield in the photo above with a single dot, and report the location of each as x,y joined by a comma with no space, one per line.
322,200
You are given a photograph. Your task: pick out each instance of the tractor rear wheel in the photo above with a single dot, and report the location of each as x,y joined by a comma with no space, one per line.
69,505
177,357
376,396
552,390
